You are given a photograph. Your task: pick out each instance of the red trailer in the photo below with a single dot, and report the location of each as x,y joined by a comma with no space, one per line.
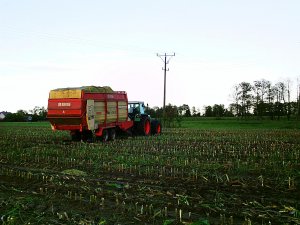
100,111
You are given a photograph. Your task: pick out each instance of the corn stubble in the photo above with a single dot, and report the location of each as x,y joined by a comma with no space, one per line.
181,177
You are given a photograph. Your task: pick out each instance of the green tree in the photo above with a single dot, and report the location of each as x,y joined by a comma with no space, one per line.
245,96
208,111
218,110
184,110
19,116
38,113
171,116
235,107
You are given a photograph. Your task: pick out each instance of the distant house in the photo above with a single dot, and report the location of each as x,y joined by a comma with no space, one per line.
2,115
29,118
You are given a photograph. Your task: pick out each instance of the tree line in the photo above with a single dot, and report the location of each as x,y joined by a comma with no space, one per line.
263,99
260,99
36,114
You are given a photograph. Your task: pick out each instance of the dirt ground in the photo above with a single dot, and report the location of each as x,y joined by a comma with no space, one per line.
38,188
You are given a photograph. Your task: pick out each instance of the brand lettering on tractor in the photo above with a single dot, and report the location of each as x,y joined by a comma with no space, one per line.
62,104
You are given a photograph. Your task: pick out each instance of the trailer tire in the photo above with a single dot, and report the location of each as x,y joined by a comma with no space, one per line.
144,126
105,135
155,127
112,134
75,135
87,136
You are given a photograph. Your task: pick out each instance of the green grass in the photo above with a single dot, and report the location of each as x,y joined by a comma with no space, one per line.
234,123
27,124
203,123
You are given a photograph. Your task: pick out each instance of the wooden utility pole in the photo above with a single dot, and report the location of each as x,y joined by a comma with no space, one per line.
298,99
166,61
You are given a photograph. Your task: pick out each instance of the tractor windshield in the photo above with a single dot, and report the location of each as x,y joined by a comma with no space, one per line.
136,107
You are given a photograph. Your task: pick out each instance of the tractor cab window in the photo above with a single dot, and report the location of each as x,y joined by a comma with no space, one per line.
136,108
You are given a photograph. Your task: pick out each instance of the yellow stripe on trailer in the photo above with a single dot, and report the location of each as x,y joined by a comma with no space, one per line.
67,93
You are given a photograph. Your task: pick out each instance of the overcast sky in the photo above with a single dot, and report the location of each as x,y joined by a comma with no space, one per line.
67,43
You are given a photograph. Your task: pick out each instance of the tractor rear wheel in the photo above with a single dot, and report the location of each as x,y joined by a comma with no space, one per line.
144,126
155,127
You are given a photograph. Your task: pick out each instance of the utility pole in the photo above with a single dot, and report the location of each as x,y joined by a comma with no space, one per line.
298,99
166,61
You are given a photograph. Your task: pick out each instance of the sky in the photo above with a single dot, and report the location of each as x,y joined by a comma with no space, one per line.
52,44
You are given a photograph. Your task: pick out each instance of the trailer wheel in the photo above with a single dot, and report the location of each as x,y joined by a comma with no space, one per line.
75,135
111,134
156,127
144,126
87,136
104,137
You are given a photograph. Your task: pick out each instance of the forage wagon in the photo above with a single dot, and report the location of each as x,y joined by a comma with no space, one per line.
98,111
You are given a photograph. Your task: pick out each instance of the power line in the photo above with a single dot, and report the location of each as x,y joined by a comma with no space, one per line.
75,40
166,61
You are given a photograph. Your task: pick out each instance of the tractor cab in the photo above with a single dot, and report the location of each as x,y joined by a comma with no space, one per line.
136,109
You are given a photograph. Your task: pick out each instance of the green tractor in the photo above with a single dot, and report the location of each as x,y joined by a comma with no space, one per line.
143,123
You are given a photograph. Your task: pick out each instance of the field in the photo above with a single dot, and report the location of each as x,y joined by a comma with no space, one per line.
209,172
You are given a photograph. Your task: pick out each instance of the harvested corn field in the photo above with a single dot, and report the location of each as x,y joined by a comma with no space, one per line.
184,176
